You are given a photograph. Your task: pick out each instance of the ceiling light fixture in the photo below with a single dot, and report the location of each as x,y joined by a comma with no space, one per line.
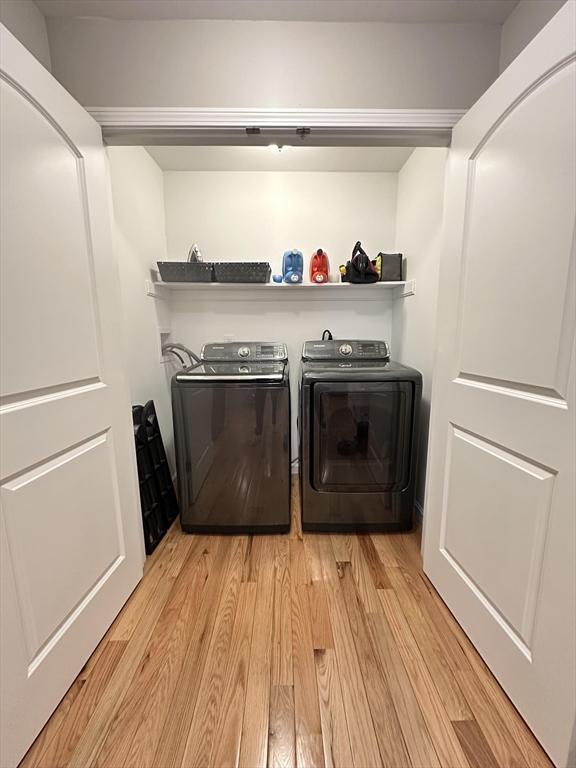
276,148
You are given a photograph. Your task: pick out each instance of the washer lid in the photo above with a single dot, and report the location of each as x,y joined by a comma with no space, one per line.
240,371
346,349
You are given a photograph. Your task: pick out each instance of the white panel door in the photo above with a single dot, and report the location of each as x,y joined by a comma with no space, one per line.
70,529
499,540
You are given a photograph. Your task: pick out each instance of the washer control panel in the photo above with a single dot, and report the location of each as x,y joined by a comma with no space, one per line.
245,350
348,349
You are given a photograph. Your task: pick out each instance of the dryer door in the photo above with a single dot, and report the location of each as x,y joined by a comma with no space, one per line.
362,436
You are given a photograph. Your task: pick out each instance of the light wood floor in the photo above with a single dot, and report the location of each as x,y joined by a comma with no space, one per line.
298,650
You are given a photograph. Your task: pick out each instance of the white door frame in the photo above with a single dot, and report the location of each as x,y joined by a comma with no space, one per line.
335,127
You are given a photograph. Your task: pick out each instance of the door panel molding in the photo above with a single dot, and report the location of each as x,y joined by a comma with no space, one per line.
73,516
39,108
45,394
522,97
521,629
513,388
558,376
73,180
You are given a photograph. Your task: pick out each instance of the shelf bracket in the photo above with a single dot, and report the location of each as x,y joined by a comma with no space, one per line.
408,289
157,291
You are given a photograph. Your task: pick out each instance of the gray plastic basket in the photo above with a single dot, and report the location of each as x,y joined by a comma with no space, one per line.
186,271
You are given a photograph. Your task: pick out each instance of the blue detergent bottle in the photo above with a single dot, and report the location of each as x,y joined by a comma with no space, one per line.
292,266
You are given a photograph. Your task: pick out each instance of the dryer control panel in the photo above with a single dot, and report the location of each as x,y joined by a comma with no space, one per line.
260,351
346,349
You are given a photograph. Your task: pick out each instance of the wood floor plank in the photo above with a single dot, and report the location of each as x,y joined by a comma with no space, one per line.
309,750
313,564
172,744
282,735
391,550
363,741
447,662
176,553
159,553
140,720
411,546
418,740
320,617
254,743
335,737
445,638
452,633
341,546
298,569
96,731
282,666
226,745
532,752
388,732
250,568
492,724
446,743
50,730
362,576
203,732
474,744
58,752
375,565
160,649
295,516
431,646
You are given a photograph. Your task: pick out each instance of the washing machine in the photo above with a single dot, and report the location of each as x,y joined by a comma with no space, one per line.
358,425
232,438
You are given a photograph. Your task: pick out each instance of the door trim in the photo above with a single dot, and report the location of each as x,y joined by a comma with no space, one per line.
200,125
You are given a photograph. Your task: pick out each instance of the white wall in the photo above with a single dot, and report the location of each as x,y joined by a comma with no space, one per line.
26,22
273,64
524,23
140,240
418,237
255,216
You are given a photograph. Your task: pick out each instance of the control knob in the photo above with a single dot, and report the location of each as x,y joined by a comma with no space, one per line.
244,351
345,349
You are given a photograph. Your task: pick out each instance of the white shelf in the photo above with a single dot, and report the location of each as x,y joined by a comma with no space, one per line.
302,291
275,286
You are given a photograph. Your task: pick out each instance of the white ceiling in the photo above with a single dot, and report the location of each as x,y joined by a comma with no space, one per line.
265,159
426,11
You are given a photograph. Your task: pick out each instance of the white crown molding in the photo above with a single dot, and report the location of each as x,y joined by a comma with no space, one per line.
200,117
153,125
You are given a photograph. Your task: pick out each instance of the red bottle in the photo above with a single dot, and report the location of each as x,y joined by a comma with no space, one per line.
319,267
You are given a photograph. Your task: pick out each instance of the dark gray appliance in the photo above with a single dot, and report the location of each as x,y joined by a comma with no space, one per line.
358,428
232,436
